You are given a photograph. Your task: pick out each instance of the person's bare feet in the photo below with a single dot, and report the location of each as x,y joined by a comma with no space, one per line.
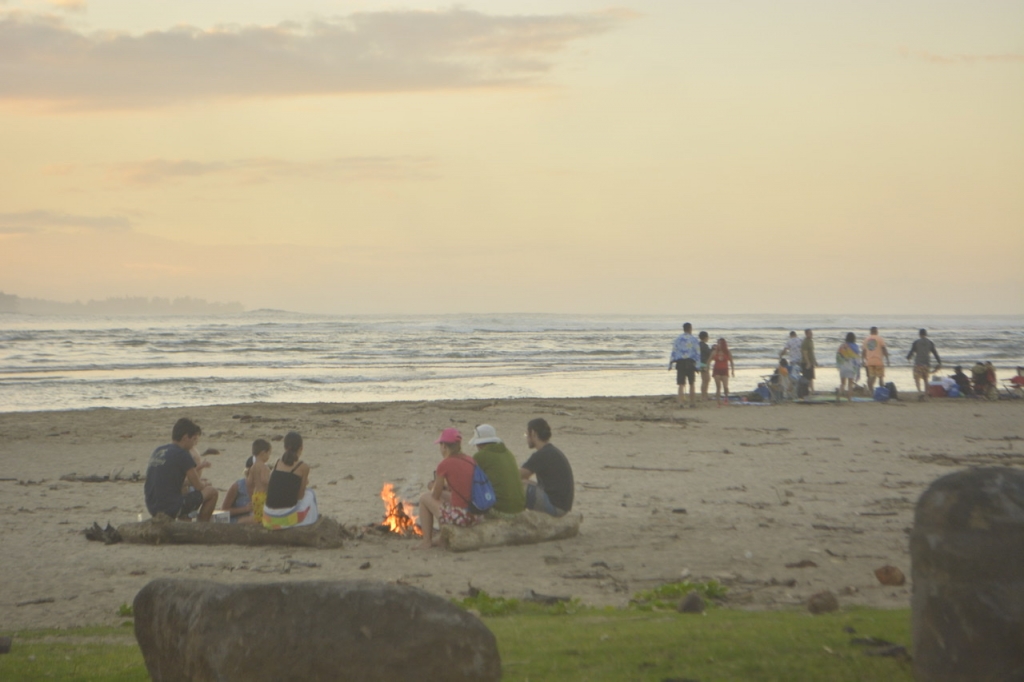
428,544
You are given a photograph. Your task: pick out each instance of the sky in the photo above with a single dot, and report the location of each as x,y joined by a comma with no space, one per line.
564,156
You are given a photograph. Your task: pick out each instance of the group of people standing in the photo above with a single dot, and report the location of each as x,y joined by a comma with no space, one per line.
797,363
874,358
692,354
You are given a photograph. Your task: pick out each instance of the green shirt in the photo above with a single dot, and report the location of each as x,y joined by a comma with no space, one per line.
500,466
807,351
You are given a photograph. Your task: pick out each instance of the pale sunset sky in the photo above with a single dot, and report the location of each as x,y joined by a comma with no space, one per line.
639,156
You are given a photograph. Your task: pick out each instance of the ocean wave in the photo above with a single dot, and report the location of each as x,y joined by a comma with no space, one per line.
126,362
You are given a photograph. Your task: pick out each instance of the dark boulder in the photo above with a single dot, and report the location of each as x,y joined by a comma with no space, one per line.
691,603
342,630
967,554
822,602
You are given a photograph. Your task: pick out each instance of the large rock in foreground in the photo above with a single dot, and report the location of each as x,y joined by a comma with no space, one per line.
344,630
967,549
526,528
326,533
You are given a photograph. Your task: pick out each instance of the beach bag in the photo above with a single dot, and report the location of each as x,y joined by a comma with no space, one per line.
881,394
953,391
763,391
482,495
891,387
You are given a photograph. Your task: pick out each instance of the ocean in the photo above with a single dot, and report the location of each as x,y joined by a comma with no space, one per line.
88,362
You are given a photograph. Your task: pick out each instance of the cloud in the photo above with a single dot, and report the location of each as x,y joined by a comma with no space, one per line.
47,60
27,222
252,171
1004,58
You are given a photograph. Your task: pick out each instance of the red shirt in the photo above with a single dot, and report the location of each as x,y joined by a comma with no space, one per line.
458,471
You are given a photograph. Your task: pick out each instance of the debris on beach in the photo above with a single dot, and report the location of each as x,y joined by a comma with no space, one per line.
546,599
113,477
803,563
108,535
890,575
876,646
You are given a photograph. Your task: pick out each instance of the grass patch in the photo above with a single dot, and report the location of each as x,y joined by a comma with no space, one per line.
666,597
591,644
721,645
80,654
486,605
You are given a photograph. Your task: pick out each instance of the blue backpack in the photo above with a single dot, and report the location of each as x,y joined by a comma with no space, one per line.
482,496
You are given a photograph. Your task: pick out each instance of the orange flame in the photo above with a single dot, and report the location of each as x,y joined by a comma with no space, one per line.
398,514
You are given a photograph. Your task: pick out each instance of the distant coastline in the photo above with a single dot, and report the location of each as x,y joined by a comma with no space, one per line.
128,305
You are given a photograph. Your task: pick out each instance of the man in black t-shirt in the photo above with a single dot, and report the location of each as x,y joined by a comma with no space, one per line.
169,467
553,492
921,350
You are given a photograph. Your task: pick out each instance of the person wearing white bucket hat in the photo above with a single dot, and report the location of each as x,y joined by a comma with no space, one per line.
500,466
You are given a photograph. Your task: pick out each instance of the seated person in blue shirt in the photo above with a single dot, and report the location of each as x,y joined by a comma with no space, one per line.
170,466
238,499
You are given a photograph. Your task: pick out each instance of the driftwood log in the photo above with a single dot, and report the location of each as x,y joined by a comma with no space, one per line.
527,528
326,533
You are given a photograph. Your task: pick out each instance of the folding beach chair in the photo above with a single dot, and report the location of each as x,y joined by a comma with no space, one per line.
1012,390
776,386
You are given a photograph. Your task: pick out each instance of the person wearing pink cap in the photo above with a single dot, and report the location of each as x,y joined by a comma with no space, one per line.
450,492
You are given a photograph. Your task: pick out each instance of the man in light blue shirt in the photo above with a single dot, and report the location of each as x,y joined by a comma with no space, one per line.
686,357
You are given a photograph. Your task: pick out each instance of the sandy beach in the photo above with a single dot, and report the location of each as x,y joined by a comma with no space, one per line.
732,494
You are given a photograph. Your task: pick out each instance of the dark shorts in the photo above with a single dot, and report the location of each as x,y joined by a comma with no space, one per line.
537,500
807,371
686,370
190,502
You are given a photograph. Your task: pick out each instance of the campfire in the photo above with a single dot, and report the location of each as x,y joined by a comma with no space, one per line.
399,516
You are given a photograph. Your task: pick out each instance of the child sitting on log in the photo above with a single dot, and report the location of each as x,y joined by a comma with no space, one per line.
237,500
258,478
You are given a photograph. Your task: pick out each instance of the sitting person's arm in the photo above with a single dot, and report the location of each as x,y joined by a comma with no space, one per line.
200,462
305,479
440,483
525,474
192,479
260,475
